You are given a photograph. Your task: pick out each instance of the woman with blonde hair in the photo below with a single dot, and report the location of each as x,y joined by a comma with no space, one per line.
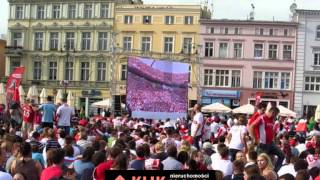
266,167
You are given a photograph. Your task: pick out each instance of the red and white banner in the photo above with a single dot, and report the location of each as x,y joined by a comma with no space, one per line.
13,83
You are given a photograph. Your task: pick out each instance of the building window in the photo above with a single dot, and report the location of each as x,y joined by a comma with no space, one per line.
258,50
53,70
312,83
235,78
208,77
271,80
318,32
102,41
169,19
236,31
316,58
86,38
189,74
14,63
128,19
19,12
85,71
101,68
187,45
127,43
287,51
223,50
271,32
54,40
146,19
146,44
87,11
168,44
285,80
17,40
37,70
226,30
104,10
210,30
259,31
237,50
69,71
70,40
71,11
56,11
208,51
123,72
222,78
38,43
257,79
273,51
40,12
285,32
188,20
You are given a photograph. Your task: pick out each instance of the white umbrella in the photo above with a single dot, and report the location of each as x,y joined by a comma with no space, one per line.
33,94
2,94
286,112
216,107
43,96
59,96
70,99
102,104
317,114
244,109
22,94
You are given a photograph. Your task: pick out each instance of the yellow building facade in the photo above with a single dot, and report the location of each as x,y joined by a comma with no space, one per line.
167,32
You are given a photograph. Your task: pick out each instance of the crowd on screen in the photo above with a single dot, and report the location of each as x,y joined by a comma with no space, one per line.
62,145
144,95
161,76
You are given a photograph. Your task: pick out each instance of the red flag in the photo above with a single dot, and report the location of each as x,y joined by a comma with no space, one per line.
13,83
16,95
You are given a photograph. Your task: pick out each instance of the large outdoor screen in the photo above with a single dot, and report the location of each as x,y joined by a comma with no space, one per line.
157,89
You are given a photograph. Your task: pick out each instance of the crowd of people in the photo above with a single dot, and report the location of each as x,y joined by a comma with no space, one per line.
158,75
143,95
259,147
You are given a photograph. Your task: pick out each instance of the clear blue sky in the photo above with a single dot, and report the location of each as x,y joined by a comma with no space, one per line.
231,9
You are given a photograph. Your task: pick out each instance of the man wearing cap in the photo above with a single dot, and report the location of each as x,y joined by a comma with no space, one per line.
196,126
65,113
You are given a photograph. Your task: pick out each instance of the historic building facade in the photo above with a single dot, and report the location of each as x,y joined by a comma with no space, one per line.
307,85
242,59
62,45
167,32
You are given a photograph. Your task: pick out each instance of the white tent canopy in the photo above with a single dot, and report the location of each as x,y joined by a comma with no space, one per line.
43,96
59,96
216,107
2,94
317,114
286,112
244,109
22,94
70,99
102,104
33,94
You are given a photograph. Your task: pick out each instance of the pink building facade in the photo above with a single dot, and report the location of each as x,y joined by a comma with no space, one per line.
243,59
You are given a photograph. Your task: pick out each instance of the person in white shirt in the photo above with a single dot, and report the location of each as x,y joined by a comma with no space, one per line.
5,176
288,168
65,113
196,126
236,137
206,130
223,163
302,144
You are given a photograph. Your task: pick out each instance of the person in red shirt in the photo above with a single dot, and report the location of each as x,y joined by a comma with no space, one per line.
261,108
28,115
99,173
56,157
265,125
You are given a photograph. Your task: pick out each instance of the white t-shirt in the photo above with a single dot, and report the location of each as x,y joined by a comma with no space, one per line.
301,147
5,176
197,120
206,132
214,127
236,133
287,169
225,166
65,113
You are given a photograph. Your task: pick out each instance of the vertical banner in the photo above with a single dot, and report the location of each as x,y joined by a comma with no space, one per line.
13,83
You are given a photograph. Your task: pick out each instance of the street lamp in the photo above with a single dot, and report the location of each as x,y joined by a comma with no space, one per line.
65,82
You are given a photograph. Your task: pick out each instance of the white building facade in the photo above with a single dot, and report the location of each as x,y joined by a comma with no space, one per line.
307,82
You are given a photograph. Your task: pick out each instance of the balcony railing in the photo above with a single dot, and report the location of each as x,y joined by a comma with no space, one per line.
14,50
71,84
